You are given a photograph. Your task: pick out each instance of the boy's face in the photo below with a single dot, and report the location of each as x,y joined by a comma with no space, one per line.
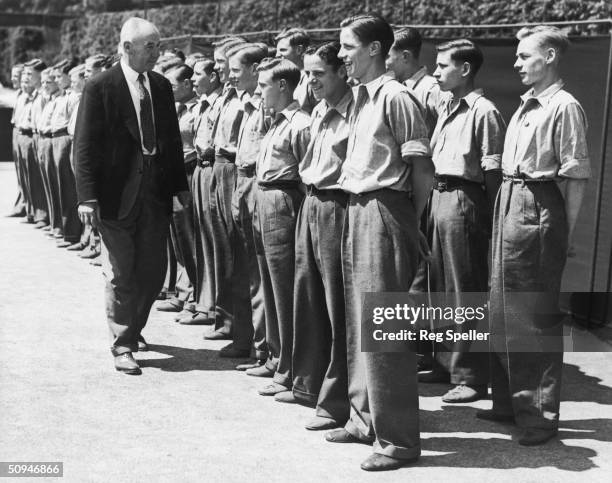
287,51
270,89
396,62
48,83
354,54
221,67
30,80
76,82
181,89
201,80
62,79
449,74
16,78
325,81
241,76
532,61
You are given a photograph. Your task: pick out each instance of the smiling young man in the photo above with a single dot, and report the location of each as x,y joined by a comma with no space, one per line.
388,174
466,151
278,200
319,341
546,166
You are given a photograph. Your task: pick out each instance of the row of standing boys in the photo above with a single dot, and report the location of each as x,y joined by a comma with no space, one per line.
311,173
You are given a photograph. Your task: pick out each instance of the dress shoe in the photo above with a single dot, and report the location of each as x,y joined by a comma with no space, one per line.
272,389
536,436
261,371
89,253
41,224
76,247
63,244
341,435
217,335
381,462
125,363
250,365
319,423
285,397
170,305
463,393
231,352
434,376
197,318
142,344
491,415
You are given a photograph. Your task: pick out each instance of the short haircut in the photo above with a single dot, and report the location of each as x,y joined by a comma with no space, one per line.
134,27
328,53
408,39
65,66
463,50
182,72
191,59
78,70
223,45
36,65
369,28
97,61
296,37
547,37
170,63
48,72
209,65
179,53
248,54
281,69
17,67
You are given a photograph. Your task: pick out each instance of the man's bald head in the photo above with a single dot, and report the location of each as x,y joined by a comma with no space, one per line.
139,43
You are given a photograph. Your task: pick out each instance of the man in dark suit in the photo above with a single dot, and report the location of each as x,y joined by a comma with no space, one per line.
129,164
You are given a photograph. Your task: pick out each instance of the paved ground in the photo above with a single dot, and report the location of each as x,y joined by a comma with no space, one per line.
190,417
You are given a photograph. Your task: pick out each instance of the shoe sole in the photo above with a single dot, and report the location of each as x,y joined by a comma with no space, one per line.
129,372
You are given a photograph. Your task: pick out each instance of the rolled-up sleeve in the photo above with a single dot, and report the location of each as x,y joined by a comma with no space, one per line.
490,132
570,140
408,126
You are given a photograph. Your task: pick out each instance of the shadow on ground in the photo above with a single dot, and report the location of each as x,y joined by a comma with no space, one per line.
184,360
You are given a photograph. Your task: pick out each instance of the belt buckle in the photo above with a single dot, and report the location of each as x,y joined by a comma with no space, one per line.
442,185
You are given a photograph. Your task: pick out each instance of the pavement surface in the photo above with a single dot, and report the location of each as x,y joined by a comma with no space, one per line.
191,417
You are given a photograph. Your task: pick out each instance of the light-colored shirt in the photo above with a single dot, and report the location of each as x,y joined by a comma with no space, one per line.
329,130
546,136
186,118
18,94
76,99
43,120
284,146
303,94
131,76
251,134
428,93
230,117
36,110
64,107
469,138
386,130
23,110
206,117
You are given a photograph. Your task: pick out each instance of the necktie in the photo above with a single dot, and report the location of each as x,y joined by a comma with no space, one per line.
146,116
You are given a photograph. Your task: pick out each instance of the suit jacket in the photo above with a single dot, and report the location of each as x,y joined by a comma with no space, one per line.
107,141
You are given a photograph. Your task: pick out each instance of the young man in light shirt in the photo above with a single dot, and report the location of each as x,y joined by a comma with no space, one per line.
546,167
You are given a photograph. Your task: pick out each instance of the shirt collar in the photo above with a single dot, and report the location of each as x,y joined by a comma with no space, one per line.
416,77
544,97
342,106
254,102
288,112
471,98
130,74
213,96
374,86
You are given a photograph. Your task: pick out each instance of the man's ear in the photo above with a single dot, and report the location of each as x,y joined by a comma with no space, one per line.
551,55
375,48
127,46
466,69
282,84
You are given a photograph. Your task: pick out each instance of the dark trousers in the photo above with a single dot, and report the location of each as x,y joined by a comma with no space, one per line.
182,235
529,251
204,252
28,161
459,228
277,213
248,332
380,254
222,185
66,185
319,322
134,261
49,176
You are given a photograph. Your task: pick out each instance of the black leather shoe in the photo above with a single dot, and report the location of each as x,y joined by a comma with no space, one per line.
142,344
231,352
343,436
217,335
490,415
381,462
197,318
536,436
261,371
169,305
319,423
125,363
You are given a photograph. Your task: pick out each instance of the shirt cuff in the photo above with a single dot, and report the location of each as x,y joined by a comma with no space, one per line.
575,168
416,147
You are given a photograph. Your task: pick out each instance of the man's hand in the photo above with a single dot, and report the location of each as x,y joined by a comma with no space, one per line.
184,198
89,213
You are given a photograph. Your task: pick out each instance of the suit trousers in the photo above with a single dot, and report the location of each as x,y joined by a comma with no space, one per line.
49,177
530,240
277,209
459,229
222,185
28,160
204,251
380,254
66,184
248,332
134,261
182,235
319,323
